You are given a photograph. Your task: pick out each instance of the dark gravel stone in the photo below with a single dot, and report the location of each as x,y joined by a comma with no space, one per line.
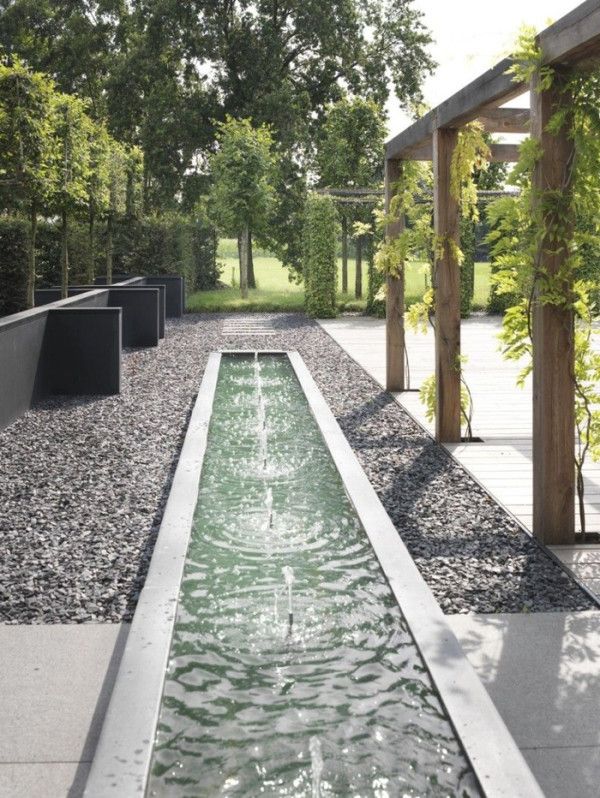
83,483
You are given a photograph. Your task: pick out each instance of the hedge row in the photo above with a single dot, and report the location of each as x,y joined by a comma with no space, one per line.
166,245
319,252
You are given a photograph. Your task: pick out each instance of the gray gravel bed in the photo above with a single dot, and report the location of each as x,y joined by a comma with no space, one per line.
83,483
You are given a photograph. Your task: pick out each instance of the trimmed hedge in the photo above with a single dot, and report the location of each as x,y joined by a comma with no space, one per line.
166,245
14,260
468,245
319,254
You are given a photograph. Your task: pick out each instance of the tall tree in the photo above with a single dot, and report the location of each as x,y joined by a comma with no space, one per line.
117,198
98,189
162,71
71,194
350,155
28,147
284,63
242,192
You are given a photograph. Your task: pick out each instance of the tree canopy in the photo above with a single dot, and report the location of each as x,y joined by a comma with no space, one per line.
161,71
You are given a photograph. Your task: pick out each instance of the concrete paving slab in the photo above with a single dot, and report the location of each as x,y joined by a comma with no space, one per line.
542,671
56,681
43,780
552,766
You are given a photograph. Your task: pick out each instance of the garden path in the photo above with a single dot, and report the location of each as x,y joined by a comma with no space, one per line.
502,418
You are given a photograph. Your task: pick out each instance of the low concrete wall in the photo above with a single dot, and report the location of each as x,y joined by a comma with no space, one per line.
174,285
82,351
40,354
143,309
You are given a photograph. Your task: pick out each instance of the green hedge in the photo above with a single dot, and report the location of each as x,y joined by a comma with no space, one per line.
14,258
168,245
165,245
319,254
468,245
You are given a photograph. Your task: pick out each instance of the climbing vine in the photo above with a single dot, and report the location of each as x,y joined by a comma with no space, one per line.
565,222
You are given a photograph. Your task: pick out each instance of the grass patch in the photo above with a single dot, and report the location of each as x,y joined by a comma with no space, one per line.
276,293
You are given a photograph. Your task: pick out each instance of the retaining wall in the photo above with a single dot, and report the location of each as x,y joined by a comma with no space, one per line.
67,347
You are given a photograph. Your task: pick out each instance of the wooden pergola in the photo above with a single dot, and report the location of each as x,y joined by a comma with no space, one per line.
573,39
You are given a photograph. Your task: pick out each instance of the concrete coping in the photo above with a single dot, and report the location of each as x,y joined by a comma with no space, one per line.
123,756
25,316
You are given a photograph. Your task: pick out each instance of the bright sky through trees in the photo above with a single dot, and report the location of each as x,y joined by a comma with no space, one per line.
470,37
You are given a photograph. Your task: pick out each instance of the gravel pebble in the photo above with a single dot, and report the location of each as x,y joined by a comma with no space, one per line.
83,483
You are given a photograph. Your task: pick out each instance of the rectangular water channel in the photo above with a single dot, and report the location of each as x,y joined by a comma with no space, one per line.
292,670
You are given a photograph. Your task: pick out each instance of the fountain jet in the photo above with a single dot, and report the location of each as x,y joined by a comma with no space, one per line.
288,575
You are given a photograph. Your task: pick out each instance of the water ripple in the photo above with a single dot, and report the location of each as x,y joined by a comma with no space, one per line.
245,693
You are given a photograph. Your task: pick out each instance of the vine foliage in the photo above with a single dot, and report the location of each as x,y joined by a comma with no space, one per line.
319,250
561,222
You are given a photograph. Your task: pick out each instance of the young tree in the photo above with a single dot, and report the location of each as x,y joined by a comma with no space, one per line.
350,155
117,196
28,147
134,192
98,194
243,170
71,194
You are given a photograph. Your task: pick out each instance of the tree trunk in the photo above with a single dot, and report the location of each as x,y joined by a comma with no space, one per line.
32,242
64,254
358,280
109,249
244,251
129,195
91,247
344,255
251,277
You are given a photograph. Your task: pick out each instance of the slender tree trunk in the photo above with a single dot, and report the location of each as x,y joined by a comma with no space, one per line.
32,242
251,277
64,254
244,251
109,249
344,255
91,247
239,242
129,195
358,280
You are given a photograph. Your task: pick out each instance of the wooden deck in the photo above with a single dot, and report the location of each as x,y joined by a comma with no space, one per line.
502,418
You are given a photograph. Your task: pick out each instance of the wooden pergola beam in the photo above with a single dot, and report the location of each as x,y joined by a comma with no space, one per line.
394,302
500,153
573,38
505,120
553,346
447,291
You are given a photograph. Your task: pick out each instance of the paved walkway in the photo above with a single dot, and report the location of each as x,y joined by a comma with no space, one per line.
542,670
56,683
502,418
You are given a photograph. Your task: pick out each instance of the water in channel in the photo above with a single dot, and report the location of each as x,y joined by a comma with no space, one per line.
292,671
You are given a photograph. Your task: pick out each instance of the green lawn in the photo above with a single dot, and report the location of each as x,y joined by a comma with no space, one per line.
276,293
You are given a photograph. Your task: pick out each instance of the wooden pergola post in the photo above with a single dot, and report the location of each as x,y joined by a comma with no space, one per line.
394,305
447,291
553,348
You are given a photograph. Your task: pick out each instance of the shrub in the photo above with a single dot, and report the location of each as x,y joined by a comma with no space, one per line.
168,245
319,253
14,258
468,246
